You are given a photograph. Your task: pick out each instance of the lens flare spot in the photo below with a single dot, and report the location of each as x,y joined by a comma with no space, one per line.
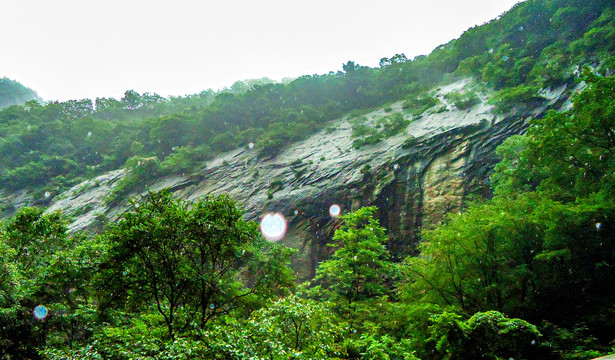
335,210
273,226
40,312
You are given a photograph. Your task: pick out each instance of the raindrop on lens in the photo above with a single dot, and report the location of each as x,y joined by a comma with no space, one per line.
335,210
40,312
273,226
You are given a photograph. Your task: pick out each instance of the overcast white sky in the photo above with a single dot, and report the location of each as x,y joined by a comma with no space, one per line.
75,49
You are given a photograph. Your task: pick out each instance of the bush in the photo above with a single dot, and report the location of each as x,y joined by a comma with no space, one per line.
274,186
419,104
365,135
464,100
506,99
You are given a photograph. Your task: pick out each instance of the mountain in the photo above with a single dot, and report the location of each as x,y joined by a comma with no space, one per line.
438,117
14,93
415,176
488,162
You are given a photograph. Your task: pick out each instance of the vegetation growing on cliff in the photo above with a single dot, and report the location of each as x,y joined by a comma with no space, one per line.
536,45
525,275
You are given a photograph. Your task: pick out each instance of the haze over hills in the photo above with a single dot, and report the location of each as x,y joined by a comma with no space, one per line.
13,93
153,47
488,162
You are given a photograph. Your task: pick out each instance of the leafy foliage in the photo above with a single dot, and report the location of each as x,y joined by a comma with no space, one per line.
366,135
525,275
463,100
361,268
540,249
189,262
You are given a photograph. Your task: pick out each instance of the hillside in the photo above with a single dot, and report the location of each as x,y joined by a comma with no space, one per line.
415,176
14,93
519,64
475,187
536,46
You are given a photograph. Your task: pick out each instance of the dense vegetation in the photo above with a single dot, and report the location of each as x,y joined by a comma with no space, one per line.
13,93
537,44
525,275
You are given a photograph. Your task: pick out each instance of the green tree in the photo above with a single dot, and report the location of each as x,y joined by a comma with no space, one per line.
486,335
481,259
28,243
567,154
293,327
192,263
361,268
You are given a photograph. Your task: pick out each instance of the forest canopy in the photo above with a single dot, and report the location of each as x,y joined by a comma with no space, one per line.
535,45
526,274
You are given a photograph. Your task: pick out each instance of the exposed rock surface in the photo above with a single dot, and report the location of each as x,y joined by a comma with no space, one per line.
415,177
608,357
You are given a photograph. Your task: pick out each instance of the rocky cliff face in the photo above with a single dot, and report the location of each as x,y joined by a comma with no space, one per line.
414,178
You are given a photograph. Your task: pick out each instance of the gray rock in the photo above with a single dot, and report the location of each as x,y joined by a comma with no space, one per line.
415,177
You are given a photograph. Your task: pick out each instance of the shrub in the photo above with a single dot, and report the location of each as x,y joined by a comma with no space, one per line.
464,100
419,104
506,99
